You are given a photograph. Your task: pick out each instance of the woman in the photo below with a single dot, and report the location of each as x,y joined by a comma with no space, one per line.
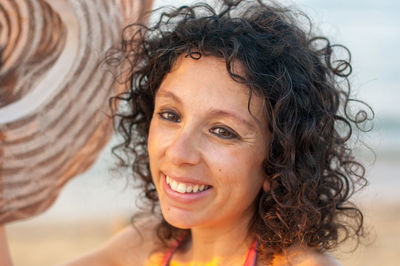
237,124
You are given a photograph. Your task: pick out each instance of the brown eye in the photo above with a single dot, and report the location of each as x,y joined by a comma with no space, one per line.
169,116
224,133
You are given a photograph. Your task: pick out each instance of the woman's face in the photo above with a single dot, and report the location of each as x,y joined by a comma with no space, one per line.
206,150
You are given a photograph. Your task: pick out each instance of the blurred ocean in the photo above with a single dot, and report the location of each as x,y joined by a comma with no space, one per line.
371,30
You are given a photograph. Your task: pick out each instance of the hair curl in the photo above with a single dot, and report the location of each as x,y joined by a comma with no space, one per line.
310,162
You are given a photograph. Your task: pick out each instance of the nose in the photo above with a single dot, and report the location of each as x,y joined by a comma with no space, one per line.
184,149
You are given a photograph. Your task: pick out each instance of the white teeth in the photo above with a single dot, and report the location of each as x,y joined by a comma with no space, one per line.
183,188
174,185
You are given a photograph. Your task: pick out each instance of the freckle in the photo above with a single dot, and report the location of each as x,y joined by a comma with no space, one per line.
219,170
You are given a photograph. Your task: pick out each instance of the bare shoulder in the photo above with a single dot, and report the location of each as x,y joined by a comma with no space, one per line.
134,243
305,257
131,246
315,258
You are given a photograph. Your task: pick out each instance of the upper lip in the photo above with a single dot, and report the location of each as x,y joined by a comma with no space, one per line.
184,179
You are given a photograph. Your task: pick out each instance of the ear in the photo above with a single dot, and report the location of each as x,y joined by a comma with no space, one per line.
266,185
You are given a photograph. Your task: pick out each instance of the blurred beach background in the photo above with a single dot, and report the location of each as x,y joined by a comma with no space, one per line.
95,205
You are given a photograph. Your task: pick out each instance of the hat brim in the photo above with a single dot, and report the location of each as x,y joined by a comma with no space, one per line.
54,96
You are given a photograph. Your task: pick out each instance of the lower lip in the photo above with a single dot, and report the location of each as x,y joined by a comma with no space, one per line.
184,197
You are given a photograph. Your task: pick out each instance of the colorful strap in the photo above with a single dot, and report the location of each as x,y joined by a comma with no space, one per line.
250,259
252,254
170,252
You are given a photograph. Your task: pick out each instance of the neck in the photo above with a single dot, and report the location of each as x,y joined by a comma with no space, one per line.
224,244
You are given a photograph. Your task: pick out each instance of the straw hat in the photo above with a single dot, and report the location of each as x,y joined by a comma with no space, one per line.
53,95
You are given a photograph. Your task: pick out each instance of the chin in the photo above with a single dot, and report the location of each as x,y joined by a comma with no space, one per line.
180,218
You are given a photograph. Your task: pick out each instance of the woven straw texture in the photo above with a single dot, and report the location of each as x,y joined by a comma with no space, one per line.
53,94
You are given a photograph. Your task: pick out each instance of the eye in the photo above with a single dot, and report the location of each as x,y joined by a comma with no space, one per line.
169,116
224,133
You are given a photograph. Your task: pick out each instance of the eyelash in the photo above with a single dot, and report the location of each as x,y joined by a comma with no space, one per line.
231,132
176,118
166,115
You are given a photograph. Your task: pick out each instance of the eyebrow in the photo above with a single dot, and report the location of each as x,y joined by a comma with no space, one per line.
218,112
168,94
213,112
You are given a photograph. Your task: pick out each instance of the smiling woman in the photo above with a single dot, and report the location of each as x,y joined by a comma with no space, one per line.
236,123
206,154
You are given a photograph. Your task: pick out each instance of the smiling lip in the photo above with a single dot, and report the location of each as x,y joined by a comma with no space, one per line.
183,197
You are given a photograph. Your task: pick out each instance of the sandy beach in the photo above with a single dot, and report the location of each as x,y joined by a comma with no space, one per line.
54,243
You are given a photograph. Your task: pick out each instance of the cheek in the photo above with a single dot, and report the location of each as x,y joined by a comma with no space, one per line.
155,136
150,141
239,170
153,144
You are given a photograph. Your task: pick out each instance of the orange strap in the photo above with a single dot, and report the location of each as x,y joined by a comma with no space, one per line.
250,258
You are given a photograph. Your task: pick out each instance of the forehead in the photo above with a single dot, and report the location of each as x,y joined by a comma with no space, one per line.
206,81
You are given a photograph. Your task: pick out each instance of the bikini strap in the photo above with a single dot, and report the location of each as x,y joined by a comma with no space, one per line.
250,258
252,254
170,252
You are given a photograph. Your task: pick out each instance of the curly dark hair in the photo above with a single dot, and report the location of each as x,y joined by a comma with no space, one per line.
310,162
